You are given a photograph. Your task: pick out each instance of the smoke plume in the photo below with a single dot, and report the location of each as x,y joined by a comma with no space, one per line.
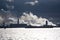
32,3
29,19
34,20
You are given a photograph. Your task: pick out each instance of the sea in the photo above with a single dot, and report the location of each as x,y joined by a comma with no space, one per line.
30,34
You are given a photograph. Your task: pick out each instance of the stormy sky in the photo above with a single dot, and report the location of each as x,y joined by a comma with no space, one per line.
45,8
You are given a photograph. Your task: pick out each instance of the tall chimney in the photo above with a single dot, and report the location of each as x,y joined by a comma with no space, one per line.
18,21
46,23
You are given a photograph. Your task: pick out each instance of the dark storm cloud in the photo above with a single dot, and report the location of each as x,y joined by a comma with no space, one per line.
2,4
44,5
45,8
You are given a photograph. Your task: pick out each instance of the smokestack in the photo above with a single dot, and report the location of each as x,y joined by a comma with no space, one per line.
18,21
46,23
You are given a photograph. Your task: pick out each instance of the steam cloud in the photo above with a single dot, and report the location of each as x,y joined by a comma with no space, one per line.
32,3
9,4
10,0
1,19
29,19
34,20
26,18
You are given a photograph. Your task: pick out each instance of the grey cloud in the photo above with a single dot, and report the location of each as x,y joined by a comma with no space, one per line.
32,2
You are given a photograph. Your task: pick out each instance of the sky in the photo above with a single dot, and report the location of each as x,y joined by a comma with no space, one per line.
49,9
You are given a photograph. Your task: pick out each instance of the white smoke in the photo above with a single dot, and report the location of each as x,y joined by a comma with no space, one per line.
9,4
29,19
1,20
6,16
32,2
10,0
34,20
12,20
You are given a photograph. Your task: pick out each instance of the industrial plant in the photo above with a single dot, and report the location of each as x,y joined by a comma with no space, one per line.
25,25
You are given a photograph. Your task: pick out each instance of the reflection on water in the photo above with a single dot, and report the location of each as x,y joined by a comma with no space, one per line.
30,34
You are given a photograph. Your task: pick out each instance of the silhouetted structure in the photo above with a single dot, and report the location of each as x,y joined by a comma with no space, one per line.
18,21
25,25
18,25
46,23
